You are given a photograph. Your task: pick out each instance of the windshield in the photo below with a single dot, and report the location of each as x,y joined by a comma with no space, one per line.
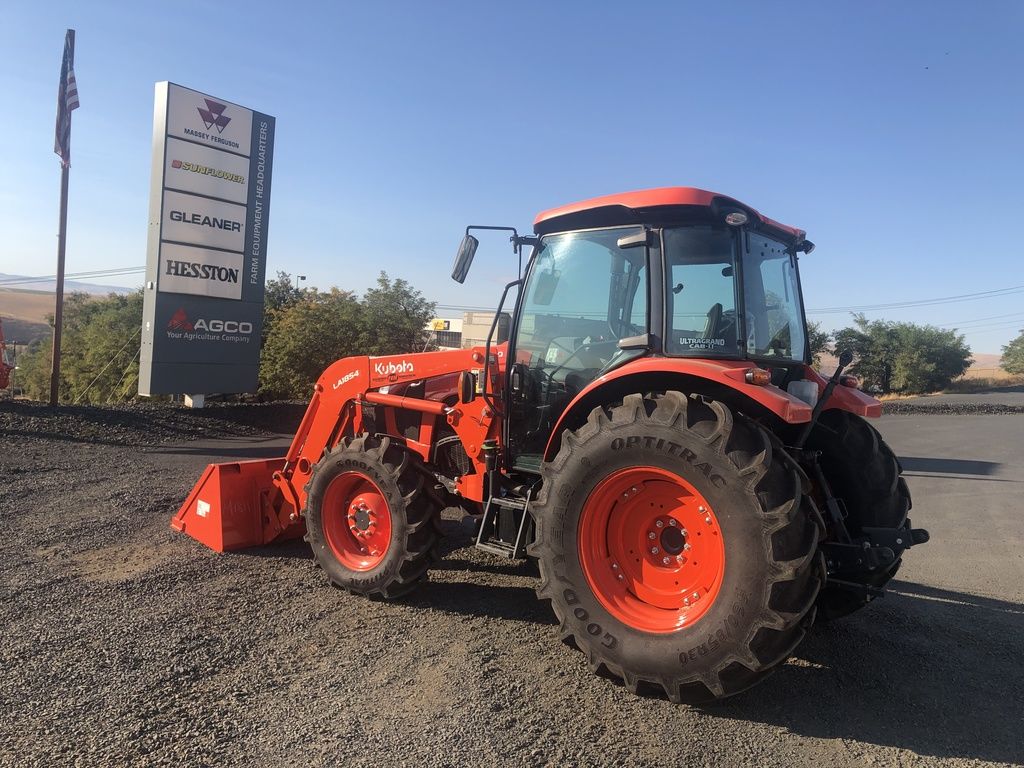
583,294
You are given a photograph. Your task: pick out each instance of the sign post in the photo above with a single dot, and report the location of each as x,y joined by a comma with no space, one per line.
206,258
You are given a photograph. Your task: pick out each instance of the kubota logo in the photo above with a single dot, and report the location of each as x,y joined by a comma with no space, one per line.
389,369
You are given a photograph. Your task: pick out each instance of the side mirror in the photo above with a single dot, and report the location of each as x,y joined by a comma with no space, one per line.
464,258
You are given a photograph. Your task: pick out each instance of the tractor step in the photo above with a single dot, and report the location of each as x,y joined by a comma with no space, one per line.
504,527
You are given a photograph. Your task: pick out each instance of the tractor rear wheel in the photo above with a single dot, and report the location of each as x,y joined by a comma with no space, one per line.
864,472
677,547
371,518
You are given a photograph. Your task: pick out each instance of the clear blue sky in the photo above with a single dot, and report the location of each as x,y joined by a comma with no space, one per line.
891,132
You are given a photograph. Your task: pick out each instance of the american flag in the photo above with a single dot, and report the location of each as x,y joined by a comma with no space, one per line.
67,100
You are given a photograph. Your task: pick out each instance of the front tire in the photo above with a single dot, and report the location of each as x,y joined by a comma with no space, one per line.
371,519
703,612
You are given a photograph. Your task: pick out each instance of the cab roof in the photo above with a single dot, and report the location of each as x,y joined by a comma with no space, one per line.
663,205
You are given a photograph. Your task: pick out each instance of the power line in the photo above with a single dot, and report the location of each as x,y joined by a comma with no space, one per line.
92,275
921,302
981,319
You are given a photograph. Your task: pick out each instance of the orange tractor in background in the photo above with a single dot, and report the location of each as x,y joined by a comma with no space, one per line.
649,431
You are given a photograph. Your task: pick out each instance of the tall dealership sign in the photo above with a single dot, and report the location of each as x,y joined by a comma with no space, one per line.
209,209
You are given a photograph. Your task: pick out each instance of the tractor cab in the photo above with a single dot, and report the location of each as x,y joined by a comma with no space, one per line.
677,272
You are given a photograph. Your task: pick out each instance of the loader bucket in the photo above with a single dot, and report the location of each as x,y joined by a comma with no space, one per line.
229,508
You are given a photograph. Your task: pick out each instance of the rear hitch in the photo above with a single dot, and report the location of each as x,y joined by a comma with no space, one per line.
876,549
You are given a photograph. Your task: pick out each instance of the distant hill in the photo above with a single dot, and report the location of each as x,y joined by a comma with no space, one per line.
25,310
24,314
50,286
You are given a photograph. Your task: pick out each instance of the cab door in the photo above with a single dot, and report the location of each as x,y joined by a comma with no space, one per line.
584,293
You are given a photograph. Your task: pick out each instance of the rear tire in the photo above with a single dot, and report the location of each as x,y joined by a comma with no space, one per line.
371,518
863,471
691,464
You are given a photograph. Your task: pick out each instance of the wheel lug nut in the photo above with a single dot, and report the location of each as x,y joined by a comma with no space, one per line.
652,535
659,524
707,520
615,566
687,547
654,550
666,560
695,596
621,577
702,508
686,602
672,521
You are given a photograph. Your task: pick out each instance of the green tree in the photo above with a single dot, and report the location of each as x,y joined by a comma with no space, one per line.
99,351
394,318
904,357
1013,355
819,341
279,294
306,337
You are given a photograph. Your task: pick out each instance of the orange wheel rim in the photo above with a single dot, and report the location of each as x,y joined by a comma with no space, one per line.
356,521
651,549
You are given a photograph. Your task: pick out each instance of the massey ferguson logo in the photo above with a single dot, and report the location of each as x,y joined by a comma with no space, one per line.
180,322
392,369
214,115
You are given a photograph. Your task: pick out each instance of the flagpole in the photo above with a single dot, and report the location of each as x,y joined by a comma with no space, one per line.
58,314
67,100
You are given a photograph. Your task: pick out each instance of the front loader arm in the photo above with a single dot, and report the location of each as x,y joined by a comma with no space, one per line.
348,386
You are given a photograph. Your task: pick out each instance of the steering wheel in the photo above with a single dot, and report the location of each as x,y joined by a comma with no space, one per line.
585,347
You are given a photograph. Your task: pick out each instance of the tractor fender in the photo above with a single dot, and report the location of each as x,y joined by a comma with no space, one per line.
724,379
846,398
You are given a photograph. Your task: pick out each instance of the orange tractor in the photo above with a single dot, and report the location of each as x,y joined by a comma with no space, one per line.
647,428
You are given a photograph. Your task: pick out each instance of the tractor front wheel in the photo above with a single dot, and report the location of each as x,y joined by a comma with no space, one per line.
677,547
370,519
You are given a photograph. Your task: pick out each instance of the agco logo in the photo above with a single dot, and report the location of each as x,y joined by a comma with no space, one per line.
214,115
392,369
180,322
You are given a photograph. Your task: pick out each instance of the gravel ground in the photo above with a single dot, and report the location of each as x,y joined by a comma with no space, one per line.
127,644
